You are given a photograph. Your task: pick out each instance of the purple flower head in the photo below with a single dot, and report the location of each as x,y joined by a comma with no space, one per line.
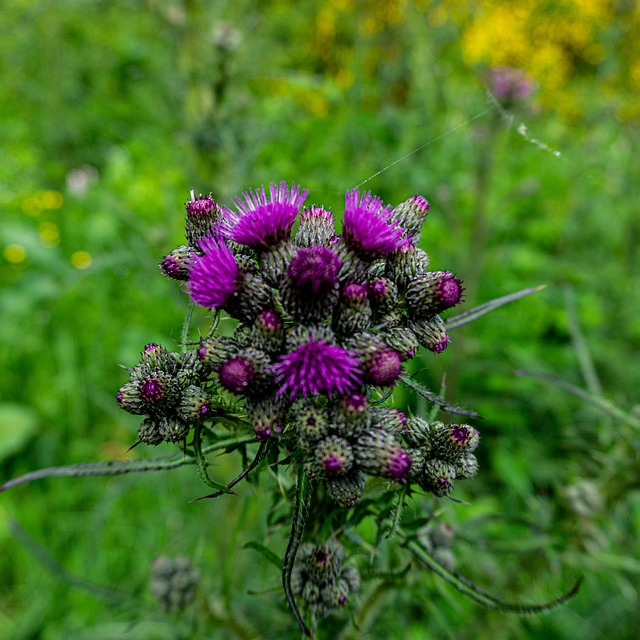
262,222
367,227
354,292
152,390
213,276
317,367
510,85
314,271
237,374
383,367
316,227
201,207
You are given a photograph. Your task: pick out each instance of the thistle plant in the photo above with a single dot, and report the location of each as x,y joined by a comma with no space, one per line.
323,326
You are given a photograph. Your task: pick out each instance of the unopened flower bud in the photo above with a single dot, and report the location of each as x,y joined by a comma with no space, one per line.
379,454
402,340
194,405
246,372
354,310
350,414
316,227
333,458
388,419
431,333
383,295
467,466
311,421
411,215
433,292
347,490
202,213
266,415
149,432
159,392
406,263
267,333
172,429
438,477
129,399
173,582
417,433
215,351
177,264
453,441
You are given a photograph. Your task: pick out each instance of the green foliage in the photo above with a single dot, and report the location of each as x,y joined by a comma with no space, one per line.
112,110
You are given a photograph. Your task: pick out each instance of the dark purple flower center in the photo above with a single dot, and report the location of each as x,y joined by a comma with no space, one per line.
152,389
333,464
320,556
378,288
450,290
270,320
237,374
355,403
201,207
459,434
314,271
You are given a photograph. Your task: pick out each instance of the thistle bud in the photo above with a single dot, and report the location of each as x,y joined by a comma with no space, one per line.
149,432
192,370
438,477
246,373
172,429
379,454
434,292
354,310
388,419
324,563
159,392
406,263
129,399
316,227
467,466
453,441
417,433
215,351
382,365
311,421
267,334
350,414
333,458
173,582
310,291
411,215
275,261
347,490
194,405
383,295
252,296
176,265
267,416
202,213
431,333
402,340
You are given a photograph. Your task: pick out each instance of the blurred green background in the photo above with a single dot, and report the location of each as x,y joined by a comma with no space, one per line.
110,111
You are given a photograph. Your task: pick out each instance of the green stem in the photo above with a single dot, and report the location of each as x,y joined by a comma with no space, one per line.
186,325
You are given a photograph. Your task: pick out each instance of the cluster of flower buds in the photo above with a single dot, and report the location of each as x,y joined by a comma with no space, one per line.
321,579
323,322
165,387
173,582
440,453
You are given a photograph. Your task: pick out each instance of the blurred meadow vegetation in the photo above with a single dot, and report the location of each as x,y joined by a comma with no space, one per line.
112,110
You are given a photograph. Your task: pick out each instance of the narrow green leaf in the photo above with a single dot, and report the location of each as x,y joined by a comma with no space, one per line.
265,552
473,314
601,404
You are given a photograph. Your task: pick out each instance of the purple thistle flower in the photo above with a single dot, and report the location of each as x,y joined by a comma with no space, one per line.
262,222
399,466
367,227
383,367
237,374
317,367
213,276
314,271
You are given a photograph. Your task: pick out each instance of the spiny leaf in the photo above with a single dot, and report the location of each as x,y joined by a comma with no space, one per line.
297,527
113,468
436,399
468,588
